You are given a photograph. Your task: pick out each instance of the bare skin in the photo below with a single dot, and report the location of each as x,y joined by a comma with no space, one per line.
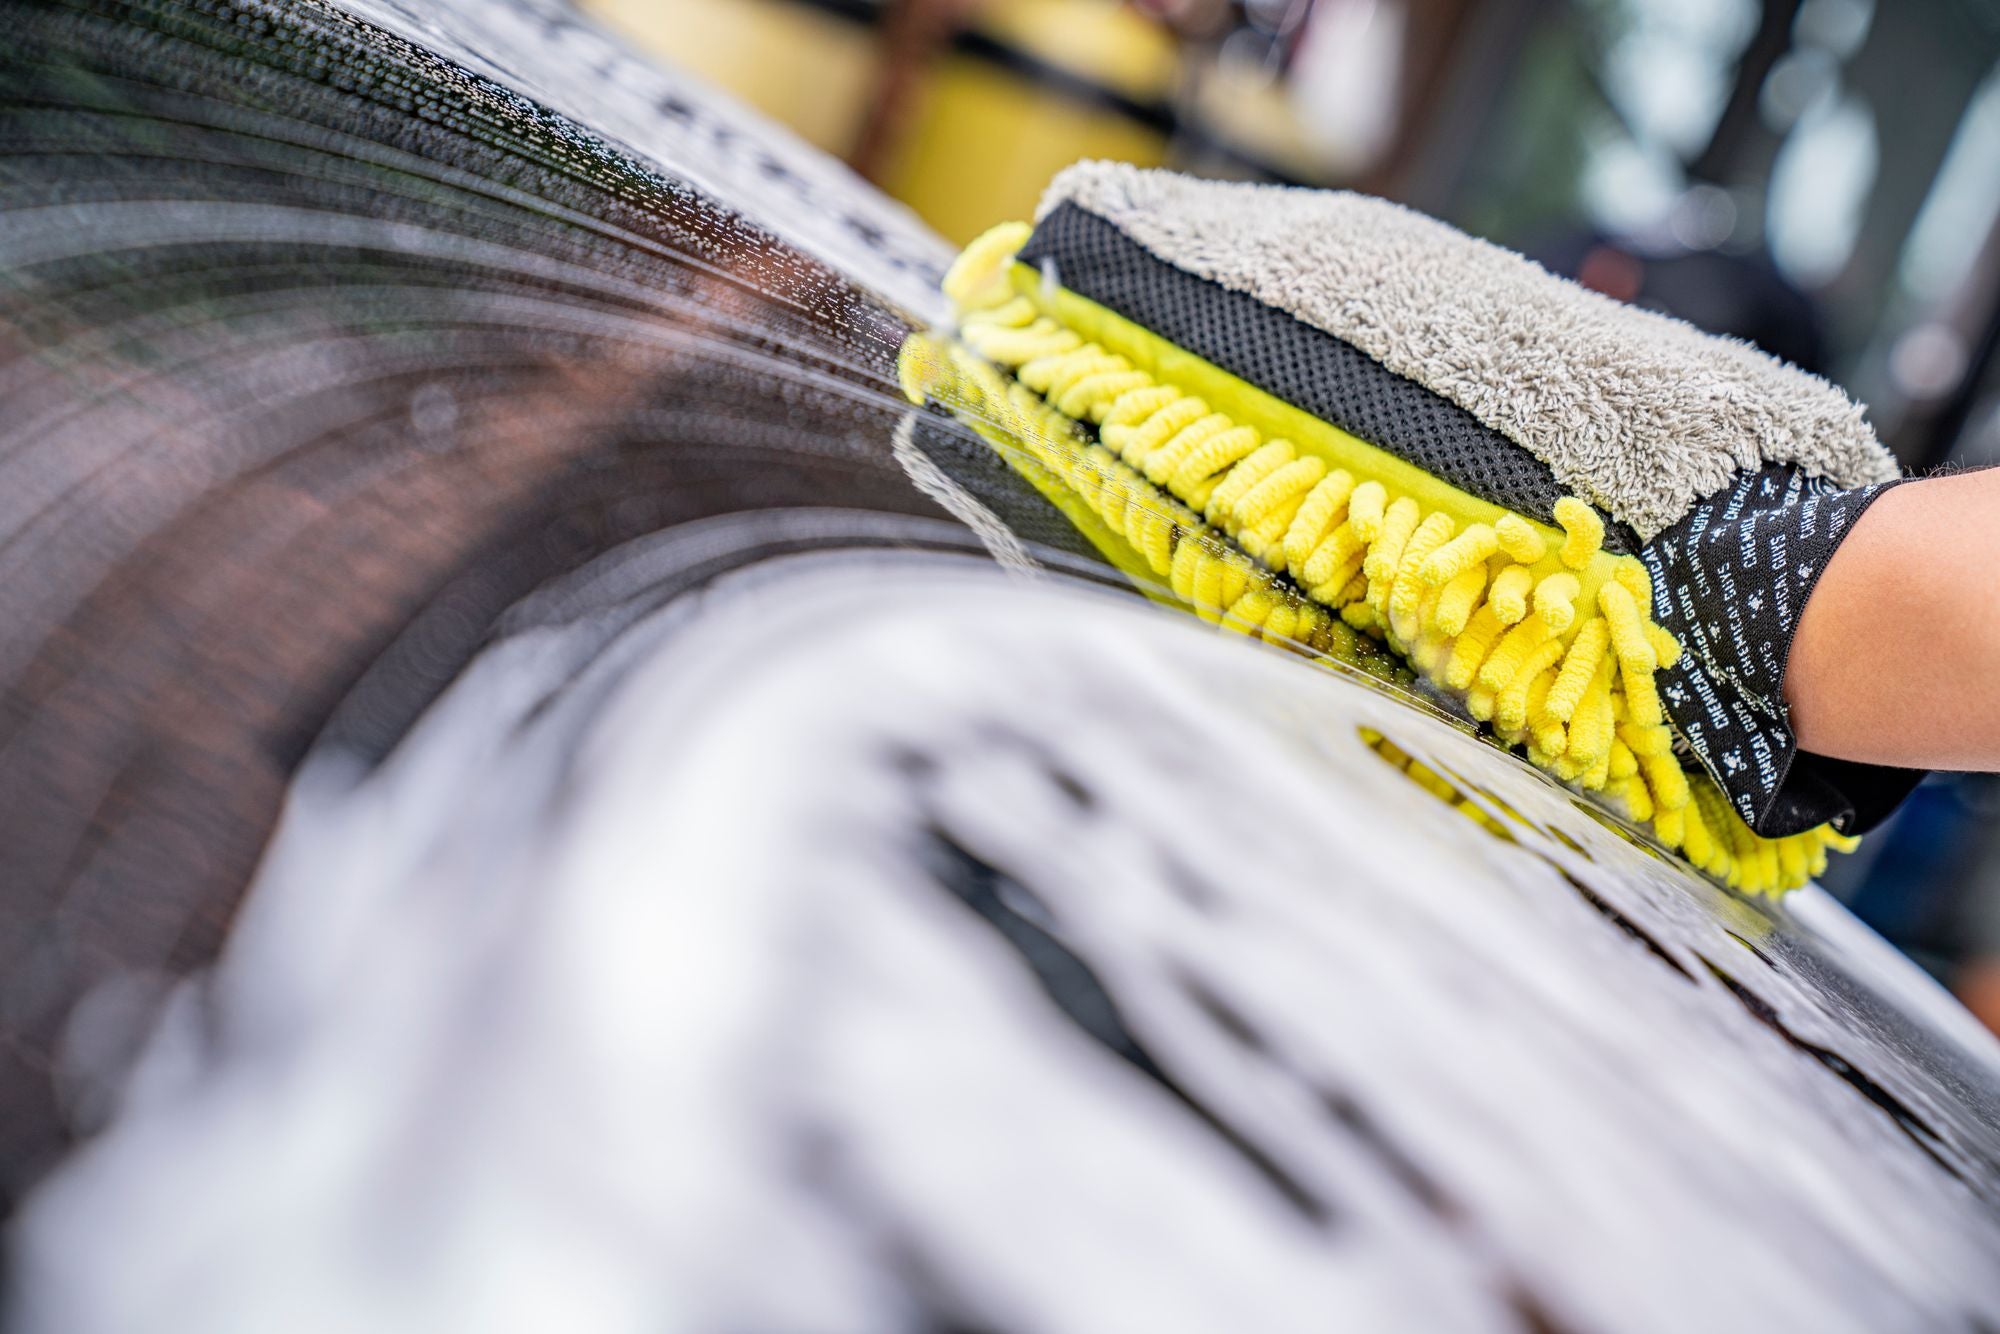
1897,657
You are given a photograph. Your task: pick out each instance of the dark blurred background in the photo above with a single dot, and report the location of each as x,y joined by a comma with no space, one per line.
1821,177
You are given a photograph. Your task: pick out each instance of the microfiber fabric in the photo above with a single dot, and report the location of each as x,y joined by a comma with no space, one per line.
1638,413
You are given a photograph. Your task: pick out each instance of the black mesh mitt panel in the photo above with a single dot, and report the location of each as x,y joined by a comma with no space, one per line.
1730,581
1290,359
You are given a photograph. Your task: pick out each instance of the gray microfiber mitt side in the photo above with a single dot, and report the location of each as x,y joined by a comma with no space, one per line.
1641,414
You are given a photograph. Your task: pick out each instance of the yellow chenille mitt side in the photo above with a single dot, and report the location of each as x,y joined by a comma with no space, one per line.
1275,523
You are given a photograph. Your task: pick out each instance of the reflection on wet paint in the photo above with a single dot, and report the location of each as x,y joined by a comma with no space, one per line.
1428,778
1433,782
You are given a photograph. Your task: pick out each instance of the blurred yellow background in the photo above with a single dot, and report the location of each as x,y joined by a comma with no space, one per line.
961,110
985,129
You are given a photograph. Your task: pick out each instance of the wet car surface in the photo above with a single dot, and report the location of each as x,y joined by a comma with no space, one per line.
530,769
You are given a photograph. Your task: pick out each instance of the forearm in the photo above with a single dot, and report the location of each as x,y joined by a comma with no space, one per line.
1896,659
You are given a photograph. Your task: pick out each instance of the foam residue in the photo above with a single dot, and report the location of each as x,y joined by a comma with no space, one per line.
875,940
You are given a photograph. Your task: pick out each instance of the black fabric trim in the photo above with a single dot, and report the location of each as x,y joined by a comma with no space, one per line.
1305,366
1731,580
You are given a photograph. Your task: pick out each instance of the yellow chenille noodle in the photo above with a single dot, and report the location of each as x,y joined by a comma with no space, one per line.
1538,630
1584,531
1521,540
1457,601
1511,590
